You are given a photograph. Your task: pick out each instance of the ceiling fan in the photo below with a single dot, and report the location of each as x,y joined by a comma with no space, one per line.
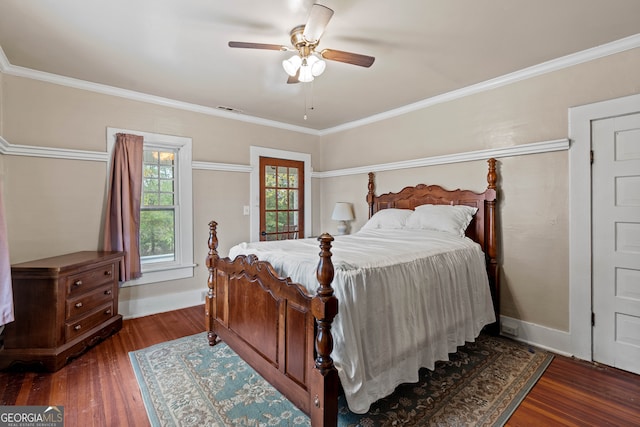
308,63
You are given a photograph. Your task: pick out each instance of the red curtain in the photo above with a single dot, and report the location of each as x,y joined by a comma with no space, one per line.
122,223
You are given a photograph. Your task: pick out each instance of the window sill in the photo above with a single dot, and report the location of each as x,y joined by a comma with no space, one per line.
161,274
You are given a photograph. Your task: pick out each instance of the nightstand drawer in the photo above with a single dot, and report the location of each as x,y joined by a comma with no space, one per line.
92,319
88,301
90,279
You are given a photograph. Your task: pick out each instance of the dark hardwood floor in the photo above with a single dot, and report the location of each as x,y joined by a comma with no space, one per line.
99,387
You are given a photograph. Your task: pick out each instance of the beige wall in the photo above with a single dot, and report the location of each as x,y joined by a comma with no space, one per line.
534,188
55,205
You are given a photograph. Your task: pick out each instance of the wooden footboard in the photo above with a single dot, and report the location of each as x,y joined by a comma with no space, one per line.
276,326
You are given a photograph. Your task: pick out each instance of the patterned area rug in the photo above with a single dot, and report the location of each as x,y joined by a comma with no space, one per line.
187,383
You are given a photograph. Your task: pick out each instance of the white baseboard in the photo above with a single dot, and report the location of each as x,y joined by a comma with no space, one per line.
540,336
159,304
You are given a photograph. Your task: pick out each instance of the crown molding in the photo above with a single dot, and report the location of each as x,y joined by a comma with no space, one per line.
587,55
607,49
7,68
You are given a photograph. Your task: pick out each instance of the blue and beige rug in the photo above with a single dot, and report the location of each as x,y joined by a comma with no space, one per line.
187,383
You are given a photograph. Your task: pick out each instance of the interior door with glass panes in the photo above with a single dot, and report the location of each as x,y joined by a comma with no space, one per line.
281,199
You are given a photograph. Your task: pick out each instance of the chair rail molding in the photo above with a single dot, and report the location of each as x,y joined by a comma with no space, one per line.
515,150
7,148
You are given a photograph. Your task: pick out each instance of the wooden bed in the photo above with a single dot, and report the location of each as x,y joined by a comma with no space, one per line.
284,333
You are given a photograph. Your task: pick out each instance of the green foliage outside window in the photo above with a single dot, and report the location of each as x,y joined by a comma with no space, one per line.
157,213
157,233
281,202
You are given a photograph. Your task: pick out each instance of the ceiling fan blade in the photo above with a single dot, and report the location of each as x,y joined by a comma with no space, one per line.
317,22
258,46
348,57
294,79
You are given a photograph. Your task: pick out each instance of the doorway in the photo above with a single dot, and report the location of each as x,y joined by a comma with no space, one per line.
581,242
615,182
254,191
281,199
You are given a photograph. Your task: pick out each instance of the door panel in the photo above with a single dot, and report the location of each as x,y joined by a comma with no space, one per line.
281,199
616,241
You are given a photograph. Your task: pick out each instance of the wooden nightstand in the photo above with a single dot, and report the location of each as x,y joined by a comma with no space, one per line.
63,305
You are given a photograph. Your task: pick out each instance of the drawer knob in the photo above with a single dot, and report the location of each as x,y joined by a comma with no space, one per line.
79,304
107,273
77,283
77,327
107,311
107,292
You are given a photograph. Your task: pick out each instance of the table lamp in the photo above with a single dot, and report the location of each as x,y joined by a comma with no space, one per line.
342,212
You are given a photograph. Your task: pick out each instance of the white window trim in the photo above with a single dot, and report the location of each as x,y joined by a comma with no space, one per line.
254,192
183,265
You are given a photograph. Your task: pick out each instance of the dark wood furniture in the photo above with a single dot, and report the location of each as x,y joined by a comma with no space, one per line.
285,333
63,305
570,393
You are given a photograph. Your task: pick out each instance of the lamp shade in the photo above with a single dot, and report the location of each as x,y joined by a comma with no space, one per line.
342,211
306,68
318,67
291,65
305,75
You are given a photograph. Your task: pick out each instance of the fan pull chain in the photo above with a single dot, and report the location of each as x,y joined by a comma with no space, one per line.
306,97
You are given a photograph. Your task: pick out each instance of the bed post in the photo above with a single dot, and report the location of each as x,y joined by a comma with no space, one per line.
324,307
491,242
371,194
210,299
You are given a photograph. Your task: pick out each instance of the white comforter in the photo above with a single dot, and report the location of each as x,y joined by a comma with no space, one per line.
407,298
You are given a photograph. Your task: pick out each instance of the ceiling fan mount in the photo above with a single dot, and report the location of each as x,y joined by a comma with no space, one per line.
299,42
308,63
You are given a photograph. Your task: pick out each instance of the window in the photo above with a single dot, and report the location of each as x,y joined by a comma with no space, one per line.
158,210
166,219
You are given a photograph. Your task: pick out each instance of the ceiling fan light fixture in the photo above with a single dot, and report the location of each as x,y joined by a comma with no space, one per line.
318,67
291,65
305,75
308,64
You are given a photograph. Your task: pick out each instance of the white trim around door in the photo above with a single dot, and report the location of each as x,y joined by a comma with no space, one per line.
580,119
254,192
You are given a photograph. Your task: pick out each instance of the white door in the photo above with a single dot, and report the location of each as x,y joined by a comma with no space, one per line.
616,241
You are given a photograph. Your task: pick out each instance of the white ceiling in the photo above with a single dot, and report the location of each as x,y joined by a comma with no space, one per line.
177,49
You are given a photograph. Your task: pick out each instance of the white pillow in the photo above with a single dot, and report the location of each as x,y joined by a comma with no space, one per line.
448,218
388,219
